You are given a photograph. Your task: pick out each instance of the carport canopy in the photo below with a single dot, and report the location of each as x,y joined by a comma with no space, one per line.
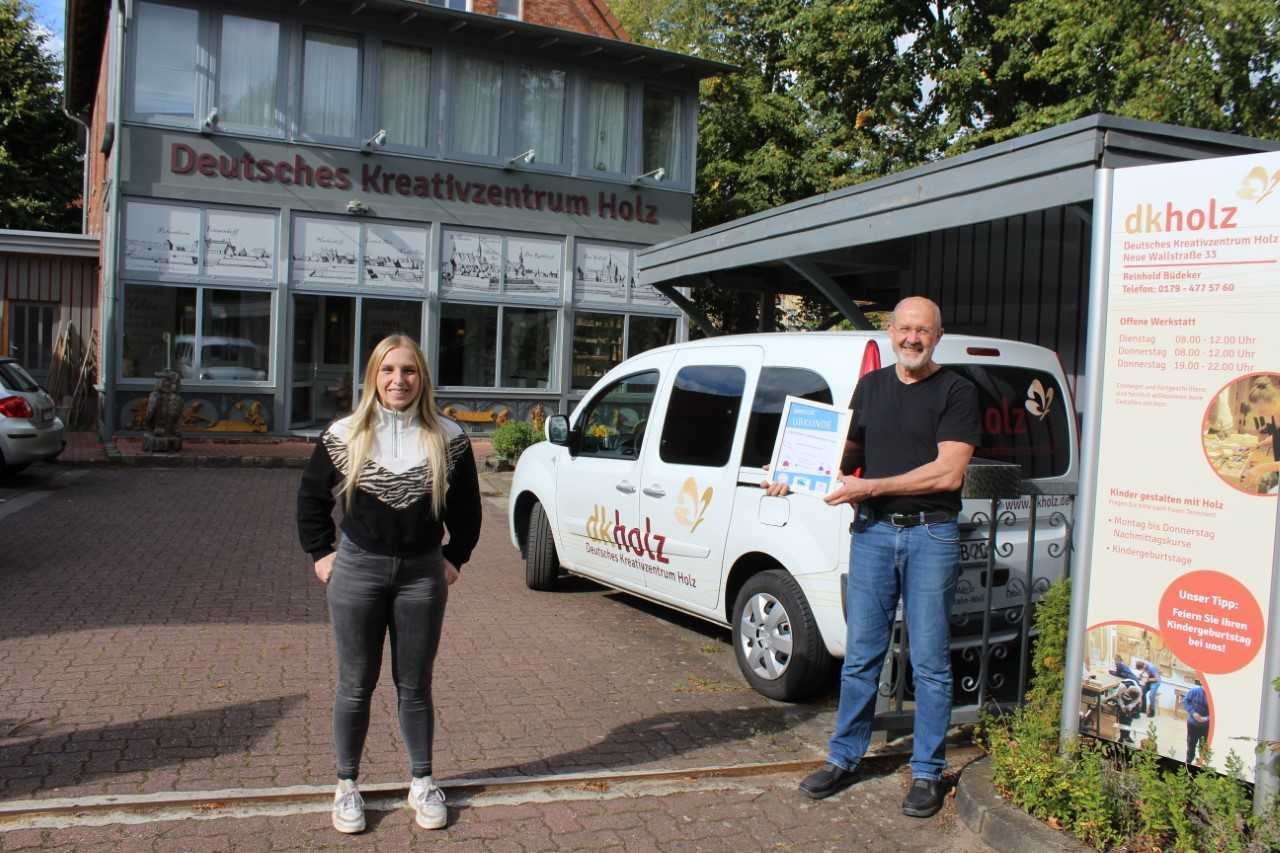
849,246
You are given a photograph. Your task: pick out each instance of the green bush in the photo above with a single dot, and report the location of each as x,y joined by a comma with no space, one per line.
1108,795
511,439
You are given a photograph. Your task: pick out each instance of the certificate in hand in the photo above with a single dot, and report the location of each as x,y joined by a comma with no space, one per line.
810,442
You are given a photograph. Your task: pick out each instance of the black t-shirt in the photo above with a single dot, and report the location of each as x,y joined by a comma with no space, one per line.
899,426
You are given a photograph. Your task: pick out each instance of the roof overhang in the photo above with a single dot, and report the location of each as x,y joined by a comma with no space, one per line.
86,24
1050,168
48,243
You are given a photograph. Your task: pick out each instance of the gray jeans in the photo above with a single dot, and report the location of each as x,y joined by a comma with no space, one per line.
370,595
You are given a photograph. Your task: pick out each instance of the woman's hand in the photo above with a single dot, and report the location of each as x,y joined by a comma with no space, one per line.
450,573
324,566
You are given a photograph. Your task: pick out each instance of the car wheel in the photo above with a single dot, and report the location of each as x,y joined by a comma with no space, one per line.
776,640
541,563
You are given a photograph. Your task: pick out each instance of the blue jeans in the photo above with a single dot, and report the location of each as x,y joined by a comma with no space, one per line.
1149,698
920,564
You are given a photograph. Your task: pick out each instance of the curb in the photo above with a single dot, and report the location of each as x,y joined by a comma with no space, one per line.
1001,826
114,458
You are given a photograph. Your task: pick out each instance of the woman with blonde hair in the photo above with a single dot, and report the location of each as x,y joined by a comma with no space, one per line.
405,475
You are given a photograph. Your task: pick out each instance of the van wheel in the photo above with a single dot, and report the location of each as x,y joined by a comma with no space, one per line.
541,563
776,639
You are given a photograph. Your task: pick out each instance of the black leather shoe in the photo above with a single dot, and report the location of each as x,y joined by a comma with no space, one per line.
924,799
829,780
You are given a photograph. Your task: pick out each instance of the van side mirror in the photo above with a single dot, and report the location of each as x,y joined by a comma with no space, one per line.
558,430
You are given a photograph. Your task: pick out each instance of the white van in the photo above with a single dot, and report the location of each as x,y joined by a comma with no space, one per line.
651,486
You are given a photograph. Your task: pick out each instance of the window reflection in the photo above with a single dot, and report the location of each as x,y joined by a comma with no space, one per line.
468,344
330,84
164,74
528,336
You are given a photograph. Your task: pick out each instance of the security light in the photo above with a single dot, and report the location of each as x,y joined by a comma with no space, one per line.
379,139
525,159
211,120
657,174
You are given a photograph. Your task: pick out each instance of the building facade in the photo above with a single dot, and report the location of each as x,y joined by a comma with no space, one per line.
279,186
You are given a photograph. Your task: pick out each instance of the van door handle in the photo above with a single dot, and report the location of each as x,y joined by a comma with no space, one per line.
654,491
626,488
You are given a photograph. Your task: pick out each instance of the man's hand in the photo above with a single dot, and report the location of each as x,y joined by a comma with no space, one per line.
852,490
450,573
324,566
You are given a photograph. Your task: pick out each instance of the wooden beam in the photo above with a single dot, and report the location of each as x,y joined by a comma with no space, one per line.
358,8
457,25
543,45
639,57
505,34
591,51
833,292
690,310
407,18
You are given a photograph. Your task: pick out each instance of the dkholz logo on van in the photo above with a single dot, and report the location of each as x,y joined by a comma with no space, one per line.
644,543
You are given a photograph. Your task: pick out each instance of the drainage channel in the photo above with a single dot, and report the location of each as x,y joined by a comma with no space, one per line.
301,799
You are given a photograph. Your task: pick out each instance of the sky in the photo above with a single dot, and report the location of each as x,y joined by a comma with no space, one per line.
49,15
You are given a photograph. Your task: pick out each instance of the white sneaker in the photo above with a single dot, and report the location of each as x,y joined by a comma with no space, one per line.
427,802
348,807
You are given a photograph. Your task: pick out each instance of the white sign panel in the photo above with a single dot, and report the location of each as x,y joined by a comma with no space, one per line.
394,255
162,240
470,261
241,245
324,251
1188,459
533,266
601,273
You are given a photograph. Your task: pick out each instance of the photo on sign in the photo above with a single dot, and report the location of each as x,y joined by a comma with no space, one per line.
1239,433
324,251
533,266
1135,687
162,240
470,261
601,273
394,255
239,244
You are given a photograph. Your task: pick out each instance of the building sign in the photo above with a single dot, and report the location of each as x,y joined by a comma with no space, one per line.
162,240
1180,559
324,251
602,273
375,179
240,245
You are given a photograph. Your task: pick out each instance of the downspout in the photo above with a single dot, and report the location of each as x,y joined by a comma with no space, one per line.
111,229
84,171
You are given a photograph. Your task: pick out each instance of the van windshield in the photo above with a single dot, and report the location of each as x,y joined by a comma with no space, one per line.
1024,418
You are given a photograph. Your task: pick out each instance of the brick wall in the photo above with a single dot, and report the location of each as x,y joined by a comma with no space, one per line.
593,17
95,162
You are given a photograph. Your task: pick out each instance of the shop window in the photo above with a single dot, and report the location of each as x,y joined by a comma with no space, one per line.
404,95
468,344
164,68
528,347
540,127
235,336
159,331
329,252
772,388
662,135
381,318
702,415
613,424
474,109
646,333
32,329
605,126
227,340
601,273
476,263
597,346
248,65
330,85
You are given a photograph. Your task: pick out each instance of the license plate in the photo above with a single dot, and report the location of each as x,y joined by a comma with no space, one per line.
974,551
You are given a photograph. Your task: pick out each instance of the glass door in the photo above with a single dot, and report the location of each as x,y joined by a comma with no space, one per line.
323,384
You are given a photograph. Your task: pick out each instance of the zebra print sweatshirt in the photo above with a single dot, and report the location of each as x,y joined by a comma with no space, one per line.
391,513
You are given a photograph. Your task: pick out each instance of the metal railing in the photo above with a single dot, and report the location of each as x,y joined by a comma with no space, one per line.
981,660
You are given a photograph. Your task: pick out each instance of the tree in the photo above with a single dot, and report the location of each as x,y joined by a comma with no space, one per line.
39,167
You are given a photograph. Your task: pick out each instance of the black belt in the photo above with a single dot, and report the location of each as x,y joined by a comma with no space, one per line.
911,519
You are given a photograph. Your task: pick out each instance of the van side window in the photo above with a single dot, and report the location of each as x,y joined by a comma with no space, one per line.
614,423
702,414
766,408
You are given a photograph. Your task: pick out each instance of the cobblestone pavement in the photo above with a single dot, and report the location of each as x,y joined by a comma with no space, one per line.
765,814
161,630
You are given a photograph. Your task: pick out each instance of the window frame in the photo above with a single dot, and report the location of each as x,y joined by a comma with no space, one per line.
671,408
360,286
201,274
630,136
683,155
509,146
26,306
435,92
283,68
199,67
589,404
627,316
453,57
553,378
501,292
298,132
209,385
